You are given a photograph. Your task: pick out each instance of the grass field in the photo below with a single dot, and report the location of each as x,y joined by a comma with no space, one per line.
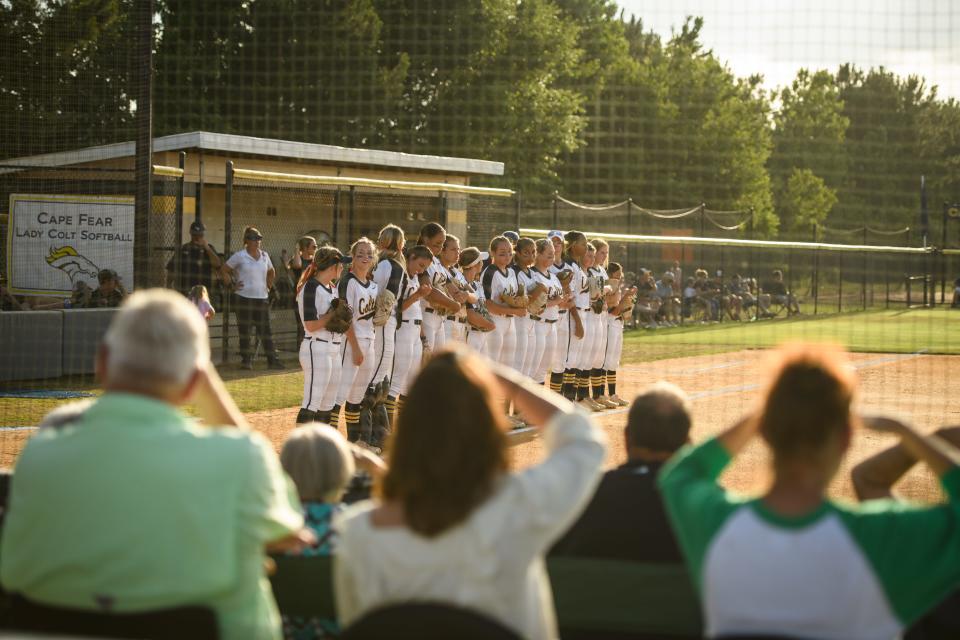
903,331
931,331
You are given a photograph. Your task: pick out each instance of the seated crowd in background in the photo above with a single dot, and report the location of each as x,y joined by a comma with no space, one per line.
199,507
701,298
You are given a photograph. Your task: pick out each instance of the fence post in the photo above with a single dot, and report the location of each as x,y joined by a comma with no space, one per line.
943,263
630,250
336,217
840,284
178,221
227,239
863,285
144,144
351,212
516,210
816,272
556,210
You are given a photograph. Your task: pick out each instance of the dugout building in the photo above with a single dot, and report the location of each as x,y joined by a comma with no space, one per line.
64,215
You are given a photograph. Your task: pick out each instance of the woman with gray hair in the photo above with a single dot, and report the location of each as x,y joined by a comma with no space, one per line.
321,464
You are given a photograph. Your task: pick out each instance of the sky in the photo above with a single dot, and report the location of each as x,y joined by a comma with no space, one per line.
776,38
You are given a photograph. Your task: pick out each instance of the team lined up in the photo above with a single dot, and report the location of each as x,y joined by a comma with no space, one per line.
552,308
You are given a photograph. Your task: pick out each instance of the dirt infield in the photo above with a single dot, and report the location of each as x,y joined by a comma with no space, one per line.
722,387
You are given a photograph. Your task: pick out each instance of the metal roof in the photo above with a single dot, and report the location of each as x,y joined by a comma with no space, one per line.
268,147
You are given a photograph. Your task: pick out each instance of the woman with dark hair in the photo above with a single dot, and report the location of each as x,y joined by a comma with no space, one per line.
452,524
437,305
320,349
793,562
408,349
575,380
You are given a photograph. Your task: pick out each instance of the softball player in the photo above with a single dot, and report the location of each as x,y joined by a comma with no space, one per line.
573,376
437,303
599,346
356,353
590,321
408,347
526,254
559,363
611,360
496,280
387,276
471,263
545,325
320,349
455,324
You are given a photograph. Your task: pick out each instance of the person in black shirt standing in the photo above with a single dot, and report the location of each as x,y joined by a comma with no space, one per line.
626,519
194,262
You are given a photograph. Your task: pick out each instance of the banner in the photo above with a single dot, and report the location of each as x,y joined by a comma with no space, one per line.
55,241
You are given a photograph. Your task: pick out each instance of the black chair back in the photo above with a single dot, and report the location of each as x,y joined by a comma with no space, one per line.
188,623
427,621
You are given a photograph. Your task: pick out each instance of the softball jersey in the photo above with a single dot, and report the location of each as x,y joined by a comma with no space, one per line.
408,348
502,341
841,571
581,300
388,276
545,327
362,298
476,339
432,318
523,325
455,326
598,347
559,362
320,350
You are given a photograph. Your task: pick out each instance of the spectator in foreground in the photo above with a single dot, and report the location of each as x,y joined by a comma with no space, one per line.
626,519
136,507
321,463
110,294
873,479
452,524
793,561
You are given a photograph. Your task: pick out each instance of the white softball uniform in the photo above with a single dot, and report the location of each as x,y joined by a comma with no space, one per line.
611,355
320,350
545,327
477,340
408,350
523,325
581,300
502,341
598,347
354,379
559,362
455,326
433,318
388,276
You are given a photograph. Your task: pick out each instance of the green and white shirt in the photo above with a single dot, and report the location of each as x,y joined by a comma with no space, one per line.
842,571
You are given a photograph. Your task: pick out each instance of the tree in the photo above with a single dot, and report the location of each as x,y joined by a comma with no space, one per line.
882,146
806,200
64,76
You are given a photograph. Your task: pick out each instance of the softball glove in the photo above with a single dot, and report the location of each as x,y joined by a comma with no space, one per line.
383,307
341,316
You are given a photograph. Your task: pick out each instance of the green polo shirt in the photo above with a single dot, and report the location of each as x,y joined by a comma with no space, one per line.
137,507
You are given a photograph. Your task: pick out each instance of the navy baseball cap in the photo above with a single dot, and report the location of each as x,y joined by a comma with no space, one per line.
197,228
512,236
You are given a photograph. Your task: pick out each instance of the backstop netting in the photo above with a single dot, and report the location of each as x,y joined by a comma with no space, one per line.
678,140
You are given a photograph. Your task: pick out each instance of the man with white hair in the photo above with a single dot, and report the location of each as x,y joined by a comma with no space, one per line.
135,507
